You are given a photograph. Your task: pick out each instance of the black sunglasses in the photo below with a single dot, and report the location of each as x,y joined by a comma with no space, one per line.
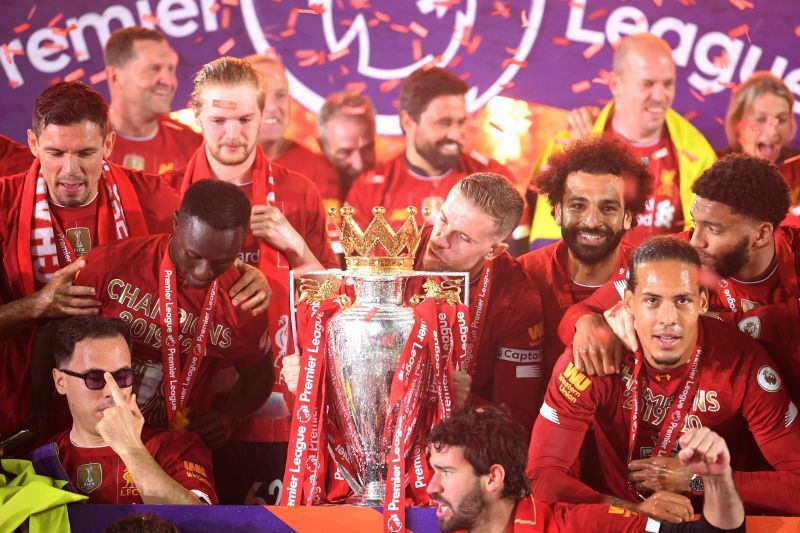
95,380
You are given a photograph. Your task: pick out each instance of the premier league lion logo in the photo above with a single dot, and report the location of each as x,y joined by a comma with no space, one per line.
329,45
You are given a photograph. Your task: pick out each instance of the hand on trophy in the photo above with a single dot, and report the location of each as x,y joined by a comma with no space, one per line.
461,385
290,371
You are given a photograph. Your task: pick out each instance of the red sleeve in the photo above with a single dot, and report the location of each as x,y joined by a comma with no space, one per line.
14,157
184,458
603,298
514,355
599,517
569,405
772,418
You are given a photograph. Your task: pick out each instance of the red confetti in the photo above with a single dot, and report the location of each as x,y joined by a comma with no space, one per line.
97,78
508,85
465,76
691,115
31,12
476,42
719,121
524,18
728,84
512,51
561,41
316,9
14,84
234,3
213,8
388,86
708,89
341,53
359,4
371,314
697,96
455,61
75,75
399,28
356,87
54,80
581,86
738,31
291,22
419,29
344,70
383,17
52,46
741,5
416,49
7,54
577,5
512,61
659,3
225,47
288,33
373,23
22,27
496,126
797,31
597,13
152,19
501,9
55,20
592,49
304,54
346,23
226,18
689,155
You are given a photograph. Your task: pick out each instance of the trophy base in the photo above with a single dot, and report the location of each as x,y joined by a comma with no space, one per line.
371,495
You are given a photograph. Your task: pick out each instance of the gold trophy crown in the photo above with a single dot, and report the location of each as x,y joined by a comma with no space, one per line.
379,248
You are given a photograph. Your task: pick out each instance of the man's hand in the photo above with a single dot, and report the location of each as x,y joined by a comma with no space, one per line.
213,427
705,453
60,298
595,348
268,222
580,121
461,385
660,473
621,322
290,371
666,507
251,291
121,425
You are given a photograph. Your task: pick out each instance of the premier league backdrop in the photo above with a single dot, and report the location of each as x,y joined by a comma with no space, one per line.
551,52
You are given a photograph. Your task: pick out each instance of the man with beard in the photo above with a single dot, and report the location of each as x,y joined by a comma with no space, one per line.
687,372
752,262
478,457
140,70
597,189
346,126
433,114
512,361
642,83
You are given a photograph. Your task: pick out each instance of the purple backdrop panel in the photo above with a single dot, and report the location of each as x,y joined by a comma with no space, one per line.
550,52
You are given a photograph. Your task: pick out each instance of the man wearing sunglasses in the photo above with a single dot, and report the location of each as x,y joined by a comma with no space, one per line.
107,454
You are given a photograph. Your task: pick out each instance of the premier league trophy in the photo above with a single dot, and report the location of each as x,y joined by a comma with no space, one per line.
374,348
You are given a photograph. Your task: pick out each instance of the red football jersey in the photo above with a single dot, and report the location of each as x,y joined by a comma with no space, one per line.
125,276
100,474
663,211
739,393
170,147
14,157
158,202
315,167
548,267
395,186
513,363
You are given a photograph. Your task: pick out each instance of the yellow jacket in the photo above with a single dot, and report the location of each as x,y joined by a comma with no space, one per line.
687,140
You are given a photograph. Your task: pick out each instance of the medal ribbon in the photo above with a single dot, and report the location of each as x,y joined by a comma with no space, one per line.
484,290
170,340
681,405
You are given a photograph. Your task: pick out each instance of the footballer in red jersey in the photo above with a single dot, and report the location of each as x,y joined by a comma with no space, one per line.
107,454
478,457
140,71
315,167
597,188
690,372
69,200
433,114
169,147
173,293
